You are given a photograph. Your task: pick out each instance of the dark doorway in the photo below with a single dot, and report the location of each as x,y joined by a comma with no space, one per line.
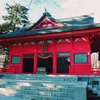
62,65
47,63
95,43
28,64
63,62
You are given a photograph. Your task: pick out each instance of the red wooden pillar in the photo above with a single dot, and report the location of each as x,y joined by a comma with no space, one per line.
54,58
21,67
54,63
71,69
35,63
89,56
89,61
10,68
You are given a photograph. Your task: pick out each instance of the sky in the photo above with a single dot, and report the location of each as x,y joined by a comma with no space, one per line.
62,8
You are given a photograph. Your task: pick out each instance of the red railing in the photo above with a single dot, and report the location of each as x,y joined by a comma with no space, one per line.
7,70
96,71
3,70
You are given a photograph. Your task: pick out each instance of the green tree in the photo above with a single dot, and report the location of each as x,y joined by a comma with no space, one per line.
4,28
17,16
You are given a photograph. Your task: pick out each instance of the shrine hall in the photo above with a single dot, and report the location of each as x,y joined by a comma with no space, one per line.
61,46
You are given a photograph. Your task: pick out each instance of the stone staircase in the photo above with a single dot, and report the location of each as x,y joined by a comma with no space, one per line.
41,87
93,87
2,97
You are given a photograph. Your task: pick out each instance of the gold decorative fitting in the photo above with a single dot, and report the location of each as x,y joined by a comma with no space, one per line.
44,47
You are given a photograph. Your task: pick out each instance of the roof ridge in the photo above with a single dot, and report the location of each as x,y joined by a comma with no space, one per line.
75,16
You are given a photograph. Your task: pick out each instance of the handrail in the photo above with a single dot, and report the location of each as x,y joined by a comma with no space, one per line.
3,70
6,70
96,71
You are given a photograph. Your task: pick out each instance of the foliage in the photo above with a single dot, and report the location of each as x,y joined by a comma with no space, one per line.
5,51
17,17
4,28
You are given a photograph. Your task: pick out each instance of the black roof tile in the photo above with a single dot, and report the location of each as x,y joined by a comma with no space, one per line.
70,24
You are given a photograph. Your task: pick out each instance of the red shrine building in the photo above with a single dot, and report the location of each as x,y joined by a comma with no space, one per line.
62,46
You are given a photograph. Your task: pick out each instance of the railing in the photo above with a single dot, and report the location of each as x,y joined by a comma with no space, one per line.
7,70
3,70
96,71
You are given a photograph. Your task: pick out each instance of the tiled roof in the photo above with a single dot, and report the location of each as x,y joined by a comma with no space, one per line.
70,24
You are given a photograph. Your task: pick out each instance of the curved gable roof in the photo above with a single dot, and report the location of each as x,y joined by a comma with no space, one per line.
46,21
61,25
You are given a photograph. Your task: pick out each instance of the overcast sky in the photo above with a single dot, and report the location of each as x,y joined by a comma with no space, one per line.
66,8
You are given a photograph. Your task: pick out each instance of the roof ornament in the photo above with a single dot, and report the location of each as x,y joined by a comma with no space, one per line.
46,10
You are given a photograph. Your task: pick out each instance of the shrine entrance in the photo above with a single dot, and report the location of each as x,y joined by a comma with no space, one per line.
28,63
63,62
45,61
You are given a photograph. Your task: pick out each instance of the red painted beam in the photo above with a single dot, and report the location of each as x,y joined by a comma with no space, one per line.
53,35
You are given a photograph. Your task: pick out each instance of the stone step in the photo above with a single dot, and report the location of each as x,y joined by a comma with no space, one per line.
62,89
98,93
7,92
32,83
48,93
43,89
92,80
94,90
89,87
41,97
41,77
2,97
30,88
97,87
79,87
48,87
40,91
13,92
